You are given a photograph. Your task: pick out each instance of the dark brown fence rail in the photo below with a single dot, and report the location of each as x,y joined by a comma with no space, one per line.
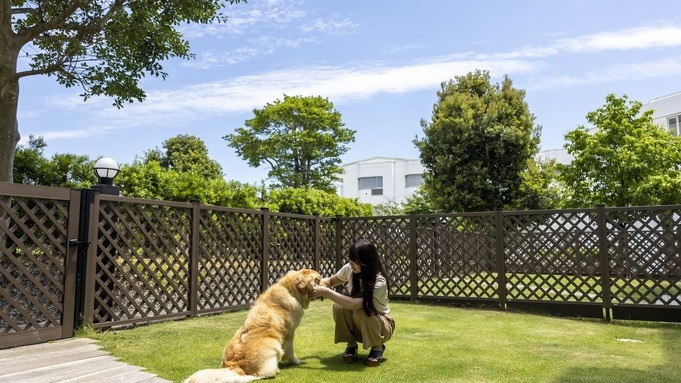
136,260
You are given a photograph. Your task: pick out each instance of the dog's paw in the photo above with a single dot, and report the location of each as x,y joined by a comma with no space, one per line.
295,361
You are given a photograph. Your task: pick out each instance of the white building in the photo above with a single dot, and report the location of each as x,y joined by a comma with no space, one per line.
560,155
666,112
379,180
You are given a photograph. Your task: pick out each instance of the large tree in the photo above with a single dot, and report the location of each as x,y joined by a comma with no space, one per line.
103,46
477,144
300,138
152,181
186,153
184,172
623,159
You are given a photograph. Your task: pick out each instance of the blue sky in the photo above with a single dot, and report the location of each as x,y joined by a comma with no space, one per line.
381,63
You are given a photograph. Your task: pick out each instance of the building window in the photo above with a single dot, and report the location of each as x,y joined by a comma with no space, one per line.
413,180
370,182
373,183
674,125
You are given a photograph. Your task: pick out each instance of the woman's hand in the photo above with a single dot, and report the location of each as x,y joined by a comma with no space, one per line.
322,292
338,298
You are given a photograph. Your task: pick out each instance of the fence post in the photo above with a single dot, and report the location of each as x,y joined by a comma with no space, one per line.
317,241
70,312
500,257
413,261
265,258
87,197
90,264
194,259
603,261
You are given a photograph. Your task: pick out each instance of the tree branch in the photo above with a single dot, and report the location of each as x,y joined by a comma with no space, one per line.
61,21
21,11
39,28
47,70
98,25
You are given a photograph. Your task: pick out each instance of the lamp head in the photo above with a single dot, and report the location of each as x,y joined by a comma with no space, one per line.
106,169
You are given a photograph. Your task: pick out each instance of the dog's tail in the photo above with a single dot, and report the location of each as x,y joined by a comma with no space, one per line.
219,375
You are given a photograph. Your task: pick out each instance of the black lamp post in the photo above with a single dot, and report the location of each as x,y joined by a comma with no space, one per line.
106,170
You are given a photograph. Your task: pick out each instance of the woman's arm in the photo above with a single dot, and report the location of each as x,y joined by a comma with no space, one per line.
338,298
331,281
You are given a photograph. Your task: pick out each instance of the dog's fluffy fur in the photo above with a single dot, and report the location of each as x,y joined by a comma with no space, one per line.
266,337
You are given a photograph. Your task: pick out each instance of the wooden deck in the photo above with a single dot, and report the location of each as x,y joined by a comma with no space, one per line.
74,360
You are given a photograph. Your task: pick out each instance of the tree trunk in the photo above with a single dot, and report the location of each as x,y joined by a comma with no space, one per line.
9,94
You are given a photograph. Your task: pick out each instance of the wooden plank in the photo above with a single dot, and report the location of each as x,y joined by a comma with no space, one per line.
49,372
30,362
73,360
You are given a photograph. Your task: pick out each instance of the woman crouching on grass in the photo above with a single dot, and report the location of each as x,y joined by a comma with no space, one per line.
363,316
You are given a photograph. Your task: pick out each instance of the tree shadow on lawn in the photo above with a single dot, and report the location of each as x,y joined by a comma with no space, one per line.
668,371
605,375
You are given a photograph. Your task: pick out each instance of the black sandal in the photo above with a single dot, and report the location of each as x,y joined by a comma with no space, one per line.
350,354
375,357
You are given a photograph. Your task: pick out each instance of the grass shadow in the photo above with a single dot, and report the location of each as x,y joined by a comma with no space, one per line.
606,375
667,370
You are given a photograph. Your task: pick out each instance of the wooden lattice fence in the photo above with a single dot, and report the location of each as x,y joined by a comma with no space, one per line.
37,265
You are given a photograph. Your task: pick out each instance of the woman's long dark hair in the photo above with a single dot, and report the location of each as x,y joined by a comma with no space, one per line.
365,254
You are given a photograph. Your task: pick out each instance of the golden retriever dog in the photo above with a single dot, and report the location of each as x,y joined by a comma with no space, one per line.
266,337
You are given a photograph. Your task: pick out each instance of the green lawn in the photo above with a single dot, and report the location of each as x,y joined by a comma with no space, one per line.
431,344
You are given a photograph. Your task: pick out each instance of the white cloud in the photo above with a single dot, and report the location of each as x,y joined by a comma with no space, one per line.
636,38
248,18
261,46
53,135
340,85
627,72
331,26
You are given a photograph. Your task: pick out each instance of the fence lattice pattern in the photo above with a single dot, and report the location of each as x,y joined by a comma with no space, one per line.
327,247
229,265
552,257
33,237
291,245
645,256
142,263
465,265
